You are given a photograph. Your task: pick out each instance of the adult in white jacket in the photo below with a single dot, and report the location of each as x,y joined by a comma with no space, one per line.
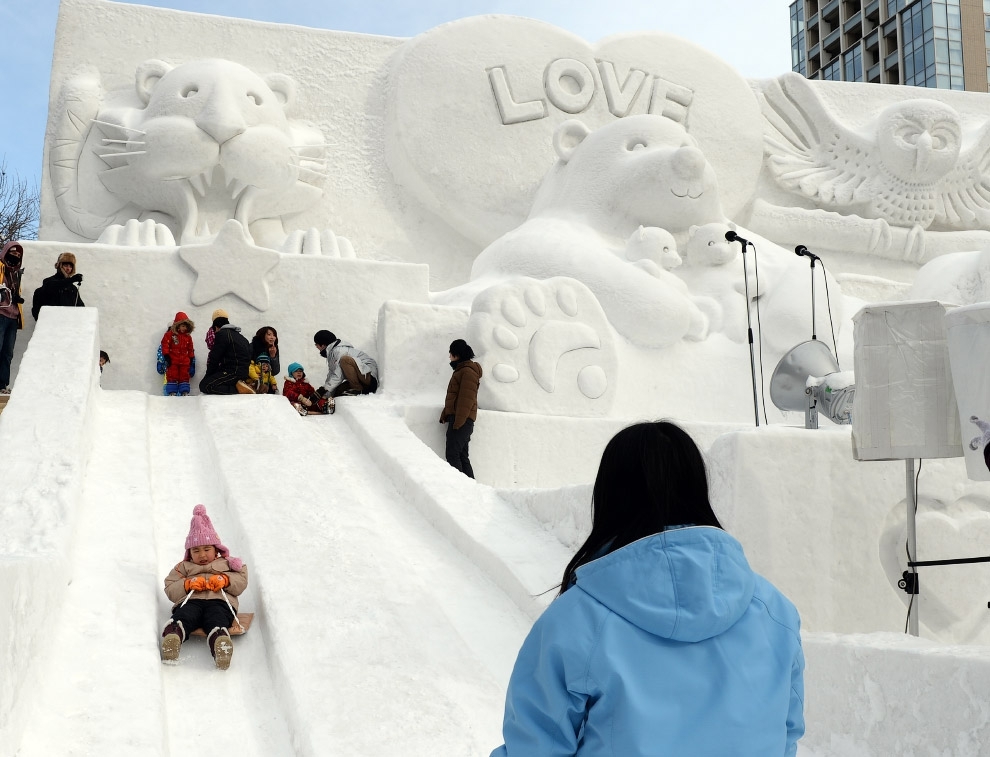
663,641
349,370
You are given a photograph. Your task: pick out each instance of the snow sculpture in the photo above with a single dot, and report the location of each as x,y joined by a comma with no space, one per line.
960,278
639,171
607,220
499,87
203,143
909,172
720,287
546,346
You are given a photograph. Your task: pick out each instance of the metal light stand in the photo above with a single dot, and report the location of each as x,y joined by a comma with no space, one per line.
909,579
749,331
910,582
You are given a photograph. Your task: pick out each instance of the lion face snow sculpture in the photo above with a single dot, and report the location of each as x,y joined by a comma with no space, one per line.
640,171
210,143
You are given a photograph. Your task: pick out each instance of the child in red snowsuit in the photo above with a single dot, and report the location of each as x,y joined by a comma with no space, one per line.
302,395
179,356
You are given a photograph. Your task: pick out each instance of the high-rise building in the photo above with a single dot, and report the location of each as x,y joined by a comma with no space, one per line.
927,43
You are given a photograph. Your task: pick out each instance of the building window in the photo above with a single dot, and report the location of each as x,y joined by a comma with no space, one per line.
833,71
798,47
853,64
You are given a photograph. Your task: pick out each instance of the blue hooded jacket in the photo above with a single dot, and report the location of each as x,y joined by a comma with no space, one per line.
671,645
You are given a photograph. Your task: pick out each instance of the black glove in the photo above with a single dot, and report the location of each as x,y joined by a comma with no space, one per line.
18,300
77,279
322,392
167,360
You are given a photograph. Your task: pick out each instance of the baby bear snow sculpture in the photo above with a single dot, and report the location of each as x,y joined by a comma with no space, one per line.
203,143
640,171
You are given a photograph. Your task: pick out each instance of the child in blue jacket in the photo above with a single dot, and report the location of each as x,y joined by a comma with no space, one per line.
663,640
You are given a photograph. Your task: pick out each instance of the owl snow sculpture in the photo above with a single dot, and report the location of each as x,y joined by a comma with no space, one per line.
910,169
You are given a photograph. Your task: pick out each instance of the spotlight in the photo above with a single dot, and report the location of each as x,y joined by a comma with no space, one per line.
808,378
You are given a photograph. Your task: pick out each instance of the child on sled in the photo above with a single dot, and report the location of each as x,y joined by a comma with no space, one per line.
204,588
302,395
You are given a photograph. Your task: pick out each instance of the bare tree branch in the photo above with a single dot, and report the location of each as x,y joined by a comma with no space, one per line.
19,207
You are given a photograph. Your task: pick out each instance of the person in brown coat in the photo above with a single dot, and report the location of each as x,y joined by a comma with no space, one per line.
460,410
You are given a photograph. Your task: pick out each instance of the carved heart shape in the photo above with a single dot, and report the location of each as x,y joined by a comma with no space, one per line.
472,106
953,598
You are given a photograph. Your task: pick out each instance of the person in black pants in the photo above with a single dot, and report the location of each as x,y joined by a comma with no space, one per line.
460,409
228,361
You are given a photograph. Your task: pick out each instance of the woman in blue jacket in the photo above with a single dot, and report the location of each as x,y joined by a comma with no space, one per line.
663,641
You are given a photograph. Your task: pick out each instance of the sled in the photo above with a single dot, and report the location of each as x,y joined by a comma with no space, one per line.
239,626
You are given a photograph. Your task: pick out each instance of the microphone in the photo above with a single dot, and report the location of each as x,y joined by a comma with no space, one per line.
731,236
803,251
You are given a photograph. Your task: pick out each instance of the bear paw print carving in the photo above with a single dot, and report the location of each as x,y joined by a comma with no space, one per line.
546,347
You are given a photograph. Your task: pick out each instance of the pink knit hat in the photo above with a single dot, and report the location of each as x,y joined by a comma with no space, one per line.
202,533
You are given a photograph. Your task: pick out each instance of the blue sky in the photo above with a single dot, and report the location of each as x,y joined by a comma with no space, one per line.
753,36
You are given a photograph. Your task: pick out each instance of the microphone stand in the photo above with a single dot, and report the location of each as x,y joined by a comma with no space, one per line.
813,259
749,331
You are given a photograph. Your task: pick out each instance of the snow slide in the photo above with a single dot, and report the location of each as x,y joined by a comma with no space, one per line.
374,632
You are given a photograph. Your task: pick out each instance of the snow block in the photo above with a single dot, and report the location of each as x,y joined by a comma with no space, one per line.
818,543
899,695
45,431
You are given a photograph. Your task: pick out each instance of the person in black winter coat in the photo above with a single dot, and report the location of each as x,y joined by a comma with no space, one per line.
228,361
11,318
60,289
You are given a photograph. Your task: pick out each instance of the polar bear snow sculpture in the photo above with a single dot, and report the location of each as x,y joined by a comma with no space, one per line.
640,171
621,210
207,141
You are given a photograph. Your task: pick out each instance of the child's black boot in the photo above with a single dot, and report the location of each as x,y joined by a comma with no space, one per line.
221,647
172,638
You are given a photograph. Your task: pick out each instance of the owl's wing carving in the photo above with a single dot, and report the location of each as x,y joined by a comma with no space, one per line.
965,189
810,152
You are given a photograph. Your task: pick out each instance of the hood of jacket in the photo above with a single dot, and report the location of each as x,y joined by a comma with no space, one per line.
181,318
11,261
685,584
468,365
232,327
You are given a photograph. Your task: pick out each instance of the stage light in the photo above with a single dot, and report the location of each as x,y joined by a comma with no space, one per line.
808,379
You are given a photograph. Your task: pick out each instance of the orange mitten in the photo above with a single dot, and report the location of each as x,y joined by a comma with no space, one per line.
218,582
199,583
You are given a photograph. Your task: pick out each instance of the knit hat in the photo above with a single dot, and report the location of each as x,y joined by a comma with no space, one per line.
263,358
219,313
66,257
324,337
181,318
202,533
293,367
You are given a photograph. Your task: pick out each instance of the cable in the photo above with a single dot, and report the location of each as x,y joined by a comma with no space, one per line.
759,328
911,558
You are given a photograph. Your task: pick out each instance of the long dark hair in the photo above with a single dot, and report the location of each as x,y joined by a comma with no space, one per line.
258,343
652,476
